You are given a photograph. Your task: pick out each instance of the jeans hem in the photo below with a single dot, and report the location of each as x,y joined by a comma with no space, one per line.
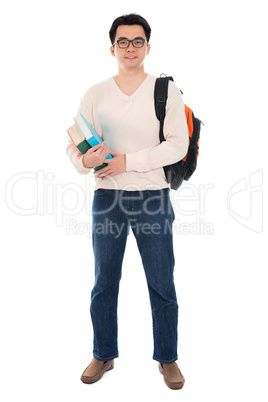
165,361
104,359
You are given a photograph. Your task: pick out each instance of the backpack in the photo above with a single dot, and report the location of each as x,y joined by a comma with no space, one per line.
182,170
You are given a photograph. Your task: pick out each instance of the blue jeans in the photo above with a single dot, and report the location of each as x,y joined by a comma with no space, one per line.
150,215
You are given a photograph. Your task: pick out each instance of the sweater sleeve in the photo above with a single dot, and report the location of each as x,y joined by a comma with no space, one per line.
170,151
76,158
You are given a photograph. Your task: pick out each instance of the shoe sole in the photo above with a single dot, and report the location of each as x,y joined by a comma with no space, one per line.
98,376
171,385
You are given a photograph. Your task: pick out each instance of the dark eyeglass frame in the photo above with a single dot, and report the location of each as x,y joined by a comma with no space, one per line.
129,42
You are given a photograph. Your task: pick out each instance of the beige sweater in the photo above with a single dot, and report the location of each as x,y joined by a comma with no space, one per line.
128,125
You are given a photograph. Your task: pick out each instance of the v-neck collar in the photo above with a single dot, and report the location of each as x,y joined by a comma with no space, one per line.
138,90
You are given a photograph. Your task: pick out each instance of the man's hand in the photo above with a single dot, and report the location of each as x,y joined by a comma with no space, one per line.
116,165
95,156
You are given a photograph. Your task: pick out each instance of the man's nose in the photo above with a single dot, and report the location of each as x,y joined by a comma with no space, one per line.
131,47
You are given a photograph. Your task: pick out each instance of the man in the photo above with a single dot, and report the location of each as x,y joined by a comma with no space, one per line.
131,191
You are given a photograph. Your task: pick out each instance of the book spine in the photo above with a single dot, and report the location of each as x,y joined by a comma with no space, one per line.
100,167
83,147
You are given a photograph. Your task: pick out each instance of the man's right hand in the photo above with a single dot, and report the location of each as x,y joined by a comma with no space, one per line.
95,156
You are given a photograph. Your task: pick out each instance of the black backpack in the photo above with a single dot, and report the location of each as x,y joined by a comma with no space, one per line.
182,170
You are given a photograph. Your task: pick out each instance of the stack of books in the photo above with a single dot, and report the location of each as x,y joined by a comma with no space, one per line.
84,137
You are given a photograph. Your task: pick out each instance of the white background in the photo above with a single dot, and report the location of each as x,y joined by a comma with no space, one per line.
51,52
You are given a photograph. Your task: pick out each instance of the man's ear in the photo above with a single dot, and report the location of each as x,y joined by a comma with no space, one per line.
112,51
148,49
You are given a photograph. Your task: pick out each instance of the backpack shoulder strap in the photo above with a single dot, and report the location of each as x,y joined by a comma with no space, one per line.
160,100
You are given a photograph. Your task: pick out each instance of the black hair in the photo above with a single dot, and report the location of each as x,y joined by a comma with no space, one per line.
130,19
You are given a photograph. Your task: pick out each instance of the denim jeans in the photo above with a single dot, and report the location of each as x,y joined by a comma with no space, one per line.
150,215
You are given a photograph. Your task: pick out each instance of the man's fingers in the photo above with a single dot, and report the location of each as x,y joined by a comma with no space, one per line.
98,146
113,153
101,171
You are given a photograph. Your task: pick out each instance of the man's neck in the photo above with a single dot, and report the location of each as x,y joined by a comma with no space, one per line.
129,81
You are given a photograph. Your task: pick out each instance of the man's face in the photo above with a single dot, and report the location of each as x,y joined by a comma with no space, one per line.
131,57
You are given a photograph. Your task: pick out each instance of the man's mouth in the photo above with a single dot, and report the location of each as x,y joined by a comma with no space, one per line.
130,57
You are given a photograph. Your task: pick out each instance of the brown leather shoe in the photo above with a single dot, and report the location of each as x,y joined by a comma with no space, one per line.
172,375
95,371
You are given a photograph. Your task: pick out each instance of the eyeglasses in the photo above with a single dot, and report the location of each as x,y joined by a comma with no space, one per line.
124,43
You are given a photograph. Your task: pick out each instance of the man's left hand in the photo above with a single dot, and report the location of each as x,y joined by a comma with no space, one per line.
115,166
